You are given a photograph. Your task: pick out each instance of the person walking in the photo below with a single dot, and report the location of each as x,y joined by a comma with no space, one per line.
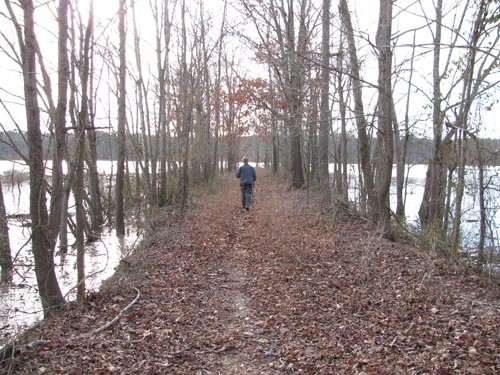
246,174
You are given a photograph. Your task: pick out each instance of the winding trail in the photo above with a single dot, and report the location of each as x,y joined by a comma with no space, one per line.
280,289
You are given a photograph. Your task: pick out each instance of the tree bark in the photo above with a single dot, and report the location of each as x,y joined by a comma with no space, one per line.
143,118
95,199
187,118
432,207
5,253
324,121
296,94
60,150
361,123
50,293
122,120
343,125
401,145
83,121
462,123
162,60
385,131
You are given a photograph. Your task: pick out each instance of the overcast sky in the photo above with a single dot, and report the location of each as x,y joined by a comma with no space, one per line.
365,18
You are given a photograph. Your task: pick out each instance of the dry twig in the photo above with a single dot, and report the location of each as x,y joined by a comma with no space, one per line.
120,314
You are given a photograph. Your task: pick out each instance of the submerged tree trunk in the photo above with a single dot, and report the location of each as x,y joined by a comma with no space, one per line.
48,287
463,119
95,196
481,257
5,254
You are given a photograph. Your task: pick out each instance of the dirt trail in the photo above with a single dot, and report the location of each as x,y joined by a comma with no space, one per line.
280,289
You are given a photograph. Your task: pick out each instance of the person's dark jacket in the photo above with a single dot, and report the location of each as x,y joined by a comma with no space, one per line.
246,174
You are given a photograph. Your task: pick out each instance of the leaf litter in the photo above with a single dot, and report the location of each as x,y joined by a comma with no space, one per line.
280,289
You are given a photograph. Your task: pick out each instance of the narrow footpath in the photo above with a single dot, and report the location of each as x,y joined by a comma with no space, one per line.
281,289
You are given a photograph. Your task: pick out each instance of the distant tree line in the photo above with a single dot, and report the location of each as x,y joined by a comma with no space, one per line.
13,146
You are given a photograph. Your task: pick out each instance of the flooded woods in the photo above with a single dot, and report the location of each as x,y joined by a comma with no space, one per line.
21,305
200,91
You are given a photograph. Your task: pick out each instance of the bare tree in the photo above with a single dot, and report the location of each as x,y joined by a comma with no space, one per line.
50,293
401,141
384,131
122,120
79,191
186,108
325,114
287,56
60,148
364,147
473,78
343,121
432,207
144,123
96,210
163,27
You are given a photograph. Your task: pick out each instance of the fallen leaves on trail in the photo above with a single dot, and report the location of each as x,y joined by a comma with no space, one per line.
278,290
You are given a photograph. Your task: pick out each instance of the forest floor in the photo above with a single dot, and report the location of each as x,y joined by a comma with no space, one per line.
280,289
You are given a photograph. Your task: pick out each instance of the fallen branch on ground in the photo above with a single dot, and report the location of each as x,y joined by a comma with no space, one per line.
120,314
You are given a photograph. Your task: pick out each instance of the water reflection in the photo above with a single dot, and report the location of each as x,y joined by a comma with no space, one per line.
20,305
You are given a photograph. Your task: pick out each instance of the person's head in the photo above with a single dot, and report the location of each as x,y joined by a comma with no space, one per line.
245,160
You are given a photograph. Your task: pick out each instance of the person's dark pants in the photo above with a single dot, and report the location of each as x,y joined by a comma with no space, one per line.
246,195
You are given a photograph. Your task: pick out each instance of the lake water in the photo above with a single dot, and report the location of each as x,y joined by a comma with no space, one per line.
20,305
470,206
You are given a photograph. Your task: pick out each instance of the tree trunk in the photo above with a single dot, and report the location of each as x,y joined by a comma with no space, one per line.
385,131
432,207
5,254
343,124
187,107
162,56
83,121
467,100
95,205
274,122
48,287
402,147
141,99
481,257
122,119
361,123
59,150
297,76
324,121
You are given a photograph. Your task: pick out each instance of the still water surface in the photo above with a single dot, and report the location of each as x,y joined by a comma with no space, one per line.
20,306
